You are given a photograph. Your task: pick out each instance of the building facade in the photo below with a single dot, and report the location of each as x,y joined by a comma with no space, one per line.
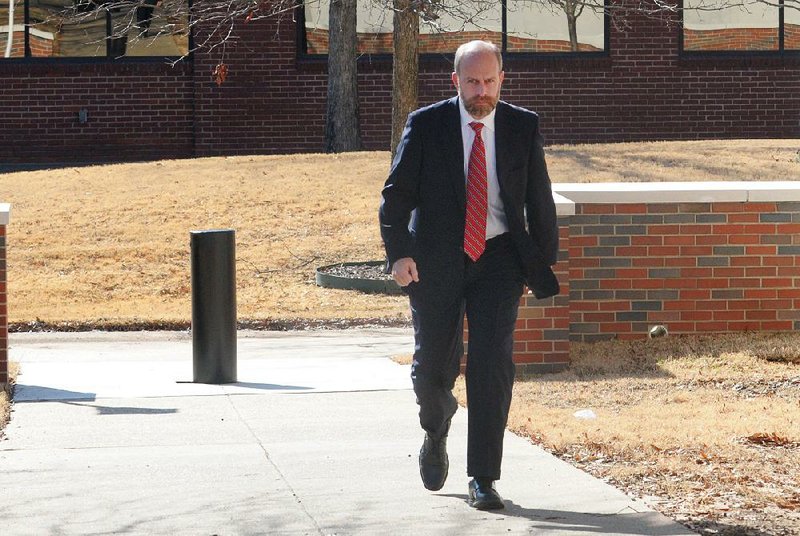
607,78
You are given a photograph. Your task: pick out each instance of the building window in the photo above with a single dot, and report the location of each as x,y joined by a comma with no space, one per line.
750,26
556,26
87,29
517,26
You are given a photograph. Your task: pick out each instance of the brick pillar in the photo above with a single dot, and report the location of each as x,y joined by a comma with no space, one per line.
541,342
541,339
4,210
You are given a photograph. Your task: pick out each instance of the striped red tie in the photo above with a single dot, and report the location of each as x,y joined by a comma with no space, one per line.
475,228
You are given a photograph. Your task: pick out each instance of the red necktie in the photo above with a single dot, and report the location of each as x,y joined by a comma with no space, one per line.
475,228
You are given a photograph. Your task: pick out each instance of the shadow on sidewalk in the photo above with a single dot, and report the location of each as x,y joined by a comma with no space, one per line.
626,521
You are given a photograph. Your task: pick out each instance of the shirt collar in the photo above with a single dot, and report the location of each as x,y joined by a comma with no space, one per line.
466,119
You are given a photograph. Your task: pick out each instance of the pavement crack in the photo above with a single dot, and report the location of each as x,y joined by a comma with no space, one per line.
275,466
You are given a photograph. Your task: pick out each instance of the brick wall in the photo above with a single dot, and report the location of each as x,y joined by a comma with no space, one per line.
541,340
4,210
135,111
443,43
791,36
274,101
731,39
17,45
741,38
696,257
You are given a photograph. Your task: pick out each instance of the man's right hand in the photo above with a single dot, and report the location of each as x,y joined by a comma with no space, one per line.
404,271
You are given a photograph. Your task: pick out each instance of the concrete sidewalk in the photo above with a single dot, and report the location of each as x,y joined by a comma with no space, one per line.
319,437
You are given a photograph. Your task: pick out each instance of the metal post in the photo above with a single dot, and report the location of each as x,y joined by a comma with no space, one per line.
214,305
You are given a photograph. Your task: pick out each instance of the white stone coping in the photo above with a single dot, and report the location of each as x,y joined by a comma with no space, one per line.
5,212
564,207
679,192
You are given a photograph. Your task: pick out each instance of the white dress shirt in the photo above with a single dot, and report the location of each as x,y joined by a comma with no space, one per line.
496,222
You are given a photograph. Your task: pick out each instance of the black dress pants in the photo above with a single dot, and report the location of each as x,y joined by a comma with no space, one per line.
489,294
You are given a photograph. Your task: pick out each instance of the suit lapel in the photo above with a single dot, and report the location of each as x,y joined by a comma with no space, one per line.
451,132
503,145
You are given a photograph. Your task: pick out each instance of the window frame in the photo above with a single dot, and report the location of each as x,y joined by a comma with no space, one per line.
302,43
27,57
781,52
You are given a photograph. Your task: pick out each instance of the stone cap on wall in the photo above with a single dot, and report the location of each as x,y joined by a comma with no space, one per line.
679,192
564,207
5,211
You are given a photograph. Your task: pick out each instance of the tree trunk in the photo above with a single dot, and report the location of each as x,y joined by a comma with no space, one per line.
572,24
405,67
342,130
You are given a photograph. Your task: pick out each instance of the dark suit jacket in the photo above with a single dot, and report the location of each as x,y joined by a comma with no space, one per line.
423,209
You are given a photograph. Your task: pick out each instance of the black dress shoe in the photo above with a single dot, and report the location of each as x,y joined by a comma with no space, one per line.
433,462
483,496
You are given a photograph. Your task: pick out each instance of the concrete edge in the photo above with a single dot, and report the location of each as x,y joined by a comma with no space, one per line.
679,192
564,206
185,336
5,213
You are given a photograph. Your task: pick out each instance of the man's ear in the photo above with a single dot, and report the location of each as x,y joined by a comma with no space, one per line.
502,76
454,78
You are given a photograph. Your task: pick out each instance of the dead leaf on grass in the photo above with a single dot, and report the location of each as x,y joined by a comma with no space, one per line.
770,440
789,503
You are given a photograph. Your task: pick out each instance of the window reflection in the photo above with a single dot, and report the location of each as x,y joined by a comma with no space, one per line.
531,27
84,28
557,26
716,25
458,22
12,29
791,27
373,28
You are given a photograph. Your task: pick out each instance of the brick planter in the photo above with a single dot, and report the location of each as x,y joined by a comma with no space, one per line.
4,214
697,257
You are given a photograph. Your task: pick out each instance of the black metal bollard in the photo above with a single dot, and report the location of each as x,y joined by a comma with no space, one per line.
214,305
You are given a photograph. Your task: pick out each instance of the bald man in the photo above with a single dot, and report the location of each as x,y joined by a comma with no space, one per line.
468,220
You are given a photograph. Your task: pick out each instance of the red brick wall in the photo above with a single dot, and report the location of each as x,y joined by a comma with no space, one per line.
3,311
41,47
274,102
741,39
17,45
135,111
696,267
731,39
542,336
791,36
444,43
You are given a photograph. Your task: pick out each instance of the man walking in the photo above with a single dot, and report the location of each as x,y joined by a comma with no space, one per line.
467,219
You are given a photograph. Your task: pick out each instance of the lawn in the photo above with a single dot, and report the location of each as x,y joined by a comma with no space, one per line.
705,428
108,246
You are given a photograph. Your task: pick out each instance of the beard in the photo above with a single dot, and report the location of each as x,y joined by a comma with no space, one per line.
479,107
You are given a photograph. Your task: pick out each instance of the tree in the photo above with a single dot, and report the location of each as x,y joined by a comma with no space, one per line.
405,66
572,9
342,132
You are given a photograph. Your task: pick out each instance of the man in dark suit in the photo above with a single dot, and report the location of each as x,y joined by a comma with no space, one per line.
467,219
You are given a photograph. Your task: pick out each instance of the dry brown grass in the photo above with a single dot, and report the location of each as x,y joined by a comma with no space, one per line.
705,428
108,245
710,160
